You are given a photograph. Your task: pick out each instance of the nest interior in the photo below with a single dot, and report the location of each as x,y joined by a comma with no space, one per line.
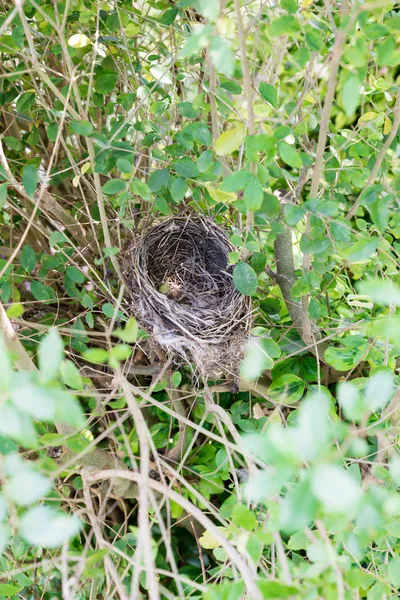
182,291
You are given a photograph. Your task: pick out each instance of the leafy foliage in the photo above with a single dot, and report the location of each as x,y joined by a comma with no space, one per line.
116,114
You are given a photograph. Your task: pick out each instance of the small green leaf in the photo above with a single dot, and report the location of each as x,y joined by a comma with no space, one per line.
70,375
255,361
176,379
75,275
30,180
3,194
141,189
290,156
209,9
269,93
351,94
114,186
379,390
244,517
28,259
237,181
198,40
229,141
158,180
27,486
245,279
288,389
7,590
336,489
381,291
81,127
178,188
221,56
105,82
253,195
96,355
50,355
25,101
124,166
129,333
185,167
44,526
284,25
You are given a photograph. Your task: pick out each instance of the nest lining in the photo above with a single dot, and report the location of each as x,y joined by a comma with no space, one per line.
181,286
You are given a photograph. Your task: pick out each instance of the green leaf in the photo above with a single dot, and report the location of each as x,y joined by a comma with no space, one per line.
28,259
105,82
284,25
176,379
158,180
287,389
70,375
275,590
336,489
379,390
44,526
351,94
205,161
124,166
346,357
360,250
50,355
236,181
290,156
169,16
185,167
394,572
81,127
178,188
314,40
244,517
96,355
37,402
7,590
298,508
114,186
228,590
245,279
141,189
256,360
209,9
75,275
3,194
129,333
27,486
221,56
198,40
30,179
253,195
42,292
229,141
350,401
25,101
381,291
268,93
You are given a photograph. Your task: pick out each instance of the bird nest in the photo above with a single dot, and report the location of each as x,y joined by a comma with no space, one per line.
182,292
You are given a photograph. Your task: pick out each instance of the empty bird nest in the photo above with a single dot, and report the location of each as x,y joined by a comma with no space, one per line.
182,291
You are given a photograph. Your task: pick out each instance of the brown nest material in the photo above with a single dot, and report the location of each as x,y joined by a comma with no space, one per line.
181,285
